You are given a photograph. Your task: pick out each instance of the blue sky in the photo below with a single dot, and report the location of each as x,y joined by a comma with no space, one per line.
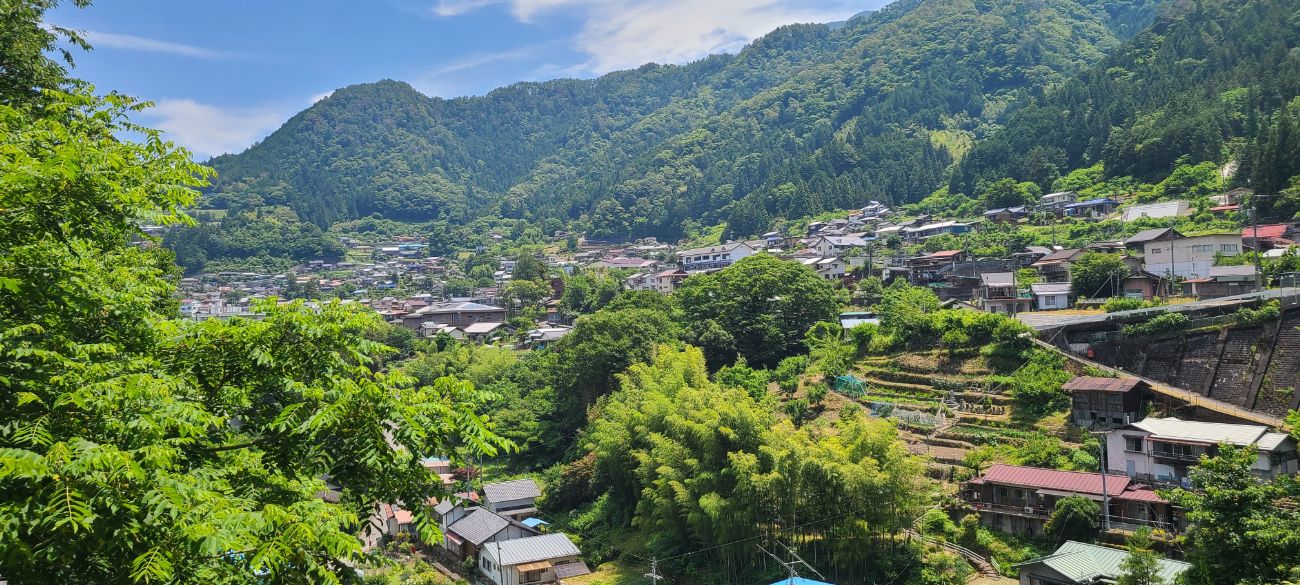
226,73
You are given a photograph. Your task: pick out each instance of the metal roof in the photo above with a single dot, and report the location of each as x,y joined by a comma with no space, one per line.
998,279
534,548
1175,429
1095,384
1151,235
570,570
1063,481
479,526
1086,563
1159,210
519,489
1266,231
1050,288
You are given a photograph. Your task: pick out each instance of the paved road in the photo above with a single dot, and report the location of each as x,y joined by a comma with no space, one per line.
1044,320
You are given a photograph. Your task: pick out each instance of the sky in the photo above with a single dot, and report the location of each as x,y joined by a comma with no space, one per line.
224,74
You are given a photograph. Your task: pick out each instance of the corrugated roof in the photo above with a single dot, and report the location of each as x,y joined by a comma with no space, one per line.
1050,288
1176,429
1150,235
519,489
483,327
998,279
1157,210
479,526
1266,231
570,570
1095,384
1084,563
534,548
1050,479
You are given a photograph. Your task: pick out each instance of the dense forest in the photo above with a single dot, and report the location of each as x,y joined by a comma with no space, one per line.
806,119
1210,81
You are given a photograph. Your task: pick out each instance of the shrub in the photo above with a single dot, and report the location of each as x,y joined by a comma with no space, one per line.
1270,311
1117,304
1162,323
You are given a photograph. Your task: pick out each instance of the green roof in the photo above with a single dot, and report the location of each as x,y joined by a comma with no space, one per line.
1088,562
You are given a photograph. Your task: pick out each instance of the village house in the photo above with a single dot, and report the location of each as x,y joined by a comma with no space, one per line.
998,294
535,560
1019,500
1092,209
484,331
1268,237
1135,244
827,268
1006,214
514,499
1050,296
925,269
456,313
542,337
1189,257
1028,256
1055,267
665,281
1164,449
1144,285
714,257
624,263
829,246
1055,202
1221,281
1105,403
465,537
930,230
1077,563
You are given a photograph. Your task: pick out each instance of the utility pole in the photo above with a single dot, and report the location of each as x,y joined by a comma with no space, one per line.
1254,217
1105,495
654,572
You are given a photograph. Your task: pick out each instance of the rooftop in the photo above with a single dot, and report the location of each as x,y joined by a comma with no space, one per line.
1086,563
998,279
1175,429
479,526
1067,482
519,489
1095,384
535,548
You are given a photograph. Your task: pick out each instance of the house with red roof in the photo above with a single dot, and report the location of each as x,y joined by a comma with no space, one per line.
1019,500
1268,237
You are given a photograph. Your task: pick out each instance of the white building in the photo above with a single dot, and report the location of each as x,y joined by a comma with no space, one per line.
1051,296
836,245
827,268
1189,257
1162,449
513,498
548,558
714,257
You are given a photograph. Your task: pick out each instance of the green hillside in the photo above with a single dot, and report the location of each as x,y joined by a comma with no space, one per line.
806,119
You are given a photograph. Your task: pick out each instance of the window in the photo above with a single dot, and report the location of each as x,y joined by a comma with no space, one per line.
1133,444
1154,251
1227,248
1203,248
1049,301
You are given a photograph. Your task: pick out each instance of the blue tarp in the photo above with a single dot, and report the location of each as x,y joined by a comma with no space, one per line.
533,522
800,581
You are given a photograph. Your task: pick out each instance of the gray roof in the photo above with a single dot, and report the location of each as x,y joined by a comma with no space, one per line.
1176,429
519,489
1157,210
457,307
1150,235
479,526
1050,288
534,548
1085,563
1244,270
570,570
998,279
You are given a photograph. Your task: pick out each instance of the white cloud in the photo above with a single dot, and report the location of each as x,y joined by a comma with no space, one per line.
133,43
459,7
322,95
620,34
209,130
480,59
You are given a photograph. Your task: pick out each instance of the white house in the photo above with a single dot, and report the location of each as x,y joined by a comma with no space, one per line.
1162,449
827,268
1189,257
515,498
1050,296
714,257
548,558
836,245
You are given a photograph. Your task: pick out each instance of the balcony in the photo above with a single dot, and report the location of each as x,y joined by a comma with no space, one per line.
1023,511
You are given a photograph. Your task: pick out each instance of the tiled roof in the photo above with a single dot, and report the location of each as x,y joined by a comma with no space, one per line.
1095,384
519,489
479,526
535,548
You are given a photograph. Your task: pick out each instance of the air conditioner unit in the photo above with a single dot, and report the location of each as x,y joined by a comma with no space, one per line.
1029,509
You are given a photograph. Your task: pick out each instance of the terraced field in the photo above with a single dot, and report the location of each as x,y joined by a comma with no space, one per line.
955,394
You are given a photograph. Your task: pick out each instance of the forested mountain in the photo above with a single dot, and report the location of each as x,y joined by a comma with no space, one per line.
1210,81
807,118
